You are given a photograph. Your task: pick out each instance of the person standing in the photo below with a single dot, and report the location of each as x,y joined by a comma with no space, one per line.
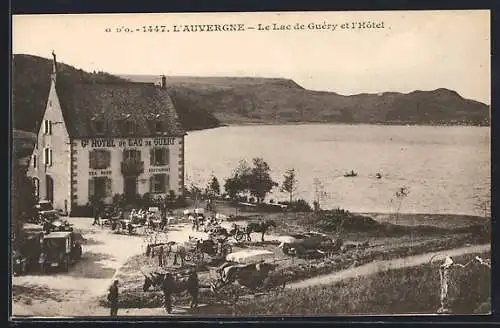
113,298
96,217
193,288
161,255
168,287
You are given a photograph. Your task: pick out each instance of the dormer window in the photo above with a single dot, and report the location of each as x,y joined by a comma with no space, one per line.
158,127
99,126
130,127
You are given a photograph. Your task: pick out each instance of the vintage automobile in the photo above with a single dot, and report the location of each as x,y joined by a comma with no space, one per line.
45,210
54,222
60,249
19,263
302,243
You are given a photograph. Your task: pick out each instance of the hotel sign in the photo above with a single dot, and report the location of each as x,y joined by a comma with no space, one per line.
131,142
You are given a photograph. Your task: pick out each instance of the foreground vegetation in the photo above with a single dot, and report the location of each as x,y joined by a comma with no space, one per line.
401,291
131,278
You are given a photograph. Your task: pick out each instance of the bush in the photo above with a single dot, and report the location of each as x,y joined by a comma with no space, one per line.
299,205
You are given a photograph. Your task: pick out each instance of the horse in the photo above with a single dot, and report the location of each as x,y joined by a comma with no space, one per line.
259,227
215,246
249,275
178,250
180,285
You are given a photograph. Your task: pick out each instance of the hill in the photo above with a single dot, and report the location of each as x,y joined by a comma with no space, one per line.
240,100
31,83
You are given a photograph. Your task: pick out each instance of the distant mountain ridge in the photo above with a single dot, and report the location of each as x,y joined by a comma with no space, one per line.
208,102
240,100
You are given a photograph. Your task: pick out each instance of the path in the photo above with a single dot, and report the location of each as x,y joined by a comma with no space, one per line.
381,266
364,270
75,292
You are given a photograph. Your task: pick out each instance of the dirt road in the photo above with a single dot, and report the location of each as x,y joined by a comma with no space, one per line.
75,292
364,270
380,266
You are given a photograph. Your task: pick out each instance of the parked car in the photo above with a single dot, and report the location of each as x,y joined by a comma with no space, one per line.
301,243
19,263
45,210
60,250
25,258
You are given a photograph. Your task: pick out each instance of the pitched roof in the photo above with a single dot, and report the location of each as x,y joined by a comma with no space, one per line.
114,104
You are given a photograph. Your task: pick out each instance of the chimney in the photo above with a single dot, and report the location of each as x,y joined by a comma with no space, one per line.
163,82
53,75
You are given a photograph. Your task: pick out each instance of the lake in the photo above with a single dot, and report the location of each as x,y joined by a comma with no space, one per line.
445,169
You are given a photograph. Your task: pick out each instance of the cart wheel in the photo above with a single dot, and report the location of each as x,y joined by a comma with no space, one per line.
227,249
79,252
189,256
238,237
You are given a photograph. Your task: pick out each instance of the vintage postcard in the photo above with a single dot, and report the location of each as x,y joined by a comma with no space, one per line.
247,164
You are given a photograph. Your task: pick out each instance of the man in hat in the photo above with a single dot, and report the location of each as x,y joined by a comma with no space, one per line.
168,287
113,298
193,287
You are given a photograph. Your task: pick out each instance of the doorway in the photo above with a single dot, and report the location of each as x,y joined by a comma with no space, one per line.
130,188
49,195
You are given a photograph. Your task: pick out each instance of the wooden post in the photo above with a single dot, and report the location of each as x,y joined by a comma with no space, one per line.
444,275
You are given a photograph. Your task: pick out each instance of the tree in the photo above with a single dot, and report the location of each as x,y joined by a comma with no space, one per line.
239,181
213,187
319,194
484,206
23,201
260,182
289,183
400,195
231,187
196,193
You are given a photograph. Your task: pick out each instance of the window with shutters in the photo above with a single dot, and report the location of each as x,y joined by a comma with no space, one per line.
131,155
99,127
99,159
47,156
99,188
159,156
159,183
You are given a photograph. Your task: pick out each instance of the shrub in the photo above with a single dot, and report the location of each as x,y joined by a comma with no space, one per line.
299,205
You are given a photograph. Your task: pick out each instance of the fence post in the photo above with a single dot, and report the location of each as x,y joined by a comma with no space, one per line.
444,275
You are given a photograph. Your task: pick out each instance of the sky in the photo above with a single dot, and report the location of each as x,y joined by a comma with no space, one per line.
407,51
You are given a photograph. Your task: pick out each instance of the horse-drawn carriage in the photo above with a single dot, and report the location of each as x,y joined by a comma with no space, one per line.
249,272
193,250
309,244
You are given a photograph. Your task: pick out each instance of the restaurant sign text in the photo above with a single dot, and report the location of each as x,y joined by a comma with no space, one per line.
131,142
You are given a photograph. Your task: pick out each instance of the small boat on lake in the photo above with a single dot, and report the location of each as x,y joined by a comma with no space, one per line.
350,174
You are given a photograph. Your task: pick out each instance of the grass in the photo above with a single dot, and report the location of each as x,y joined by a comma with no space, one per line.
131,279
402,291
